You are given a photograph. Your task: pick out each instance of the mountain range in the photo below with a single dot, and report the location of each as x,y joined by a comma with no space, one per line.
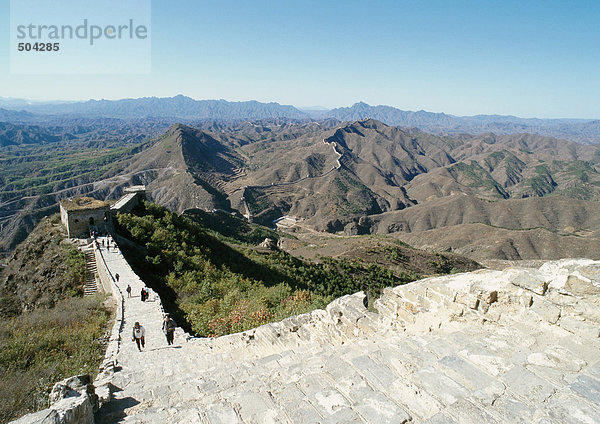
486,195
185,109
537,195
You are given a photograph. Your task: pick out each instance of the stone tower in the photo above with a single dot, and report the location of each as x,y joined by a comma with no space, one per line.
84,214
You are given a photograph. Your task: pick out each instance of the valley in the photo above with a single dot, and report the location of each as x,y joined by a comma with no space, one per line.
535,196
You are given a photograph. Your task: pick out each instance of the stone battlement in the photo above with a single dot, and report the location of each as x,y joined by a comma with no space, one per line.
519,345
564,293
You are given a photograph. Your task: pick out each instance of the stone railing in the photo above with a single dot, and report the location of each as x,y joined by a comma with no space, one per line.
73,402
344,318
557,293
560,293
107,368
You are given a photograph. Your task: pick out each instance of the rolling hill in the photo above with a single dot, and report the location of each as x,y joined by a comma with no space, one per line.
367,177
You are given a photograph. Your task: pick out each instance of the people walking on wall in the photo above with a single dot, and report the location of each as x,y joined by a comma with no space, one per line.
128,290
117,277
143,294
168,327
138,336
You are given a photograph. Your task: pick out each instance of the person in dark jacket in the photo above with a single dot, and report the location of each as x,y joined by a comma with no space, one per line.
168,328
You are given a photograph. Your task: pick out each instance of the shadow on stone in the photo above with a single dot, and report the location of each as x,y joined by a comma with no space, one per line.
113,388
114,411
164,347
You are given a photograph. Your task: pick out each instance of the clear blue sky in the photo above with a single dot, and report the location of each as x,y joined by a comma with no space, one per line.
525,58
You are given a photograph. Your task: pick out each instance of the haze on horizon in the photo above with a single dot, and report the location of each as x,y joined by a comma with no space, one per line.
534,59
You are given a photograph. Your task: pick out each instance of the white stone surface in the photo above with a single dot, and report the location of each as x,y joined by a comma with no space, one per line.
453,349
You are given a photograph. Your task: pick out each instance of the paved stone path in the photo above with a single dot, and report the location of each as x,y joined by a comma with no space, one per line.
486,347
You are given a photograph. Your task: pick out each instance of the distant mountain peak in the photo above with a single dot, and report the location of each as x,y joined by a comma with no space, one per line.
371,123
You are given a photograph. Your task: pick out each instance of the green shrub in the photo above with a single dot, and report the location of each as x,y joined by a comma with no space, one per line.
217,288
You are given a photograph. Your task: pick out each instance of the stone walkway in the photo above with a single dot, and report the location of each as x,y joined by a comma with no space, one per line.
486,347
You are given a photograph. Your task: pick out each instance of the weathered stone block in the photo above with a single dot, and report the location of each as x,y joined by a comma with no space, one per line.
569,409
526,384
377,374
439,385
467,299
379,409
466,412
484,294
580,327
530,281
420,403
581,287
220,413
408,306
545,310
464,373
514,411
587,387
440,419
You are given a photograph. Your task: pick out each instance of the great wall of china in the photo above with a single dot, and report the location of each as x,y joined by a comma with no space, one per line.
519,345
338,165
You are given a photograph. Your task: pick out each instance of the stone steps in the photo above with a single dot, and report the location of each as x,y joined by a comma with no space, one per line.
90,286
479,347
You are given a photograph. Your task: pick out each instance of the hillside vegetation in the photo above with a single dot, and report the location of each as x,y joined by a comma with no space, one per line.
48,331
220,288
352,178
216,287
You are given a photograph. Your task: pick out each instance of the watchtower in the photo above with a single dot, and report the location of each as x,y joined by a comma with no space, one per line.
83,214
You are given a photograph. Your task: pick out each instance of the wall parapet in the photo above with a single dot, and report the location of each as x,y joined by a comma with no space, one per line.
107,368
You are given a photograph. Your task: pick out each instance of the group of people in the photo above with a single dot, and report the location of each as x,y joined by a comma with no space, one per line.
109,240
139,333
144,294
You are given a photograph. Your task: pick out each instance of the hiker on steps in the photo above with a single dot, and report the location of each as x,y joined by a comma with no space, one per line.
138,335
168,328
128,290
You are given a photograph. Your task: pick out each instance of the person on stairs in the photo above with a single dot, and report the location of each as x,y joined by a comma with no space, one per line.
138,335
168,328
128,290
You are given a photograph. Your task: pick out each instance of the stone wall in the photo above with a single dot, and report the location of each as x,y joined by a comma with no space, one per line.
519,345
562,293
126,203
107,369
78,224
513,344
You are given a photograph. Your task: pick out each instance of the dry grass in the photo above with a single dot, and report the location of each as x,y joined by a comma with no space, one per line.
41,347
